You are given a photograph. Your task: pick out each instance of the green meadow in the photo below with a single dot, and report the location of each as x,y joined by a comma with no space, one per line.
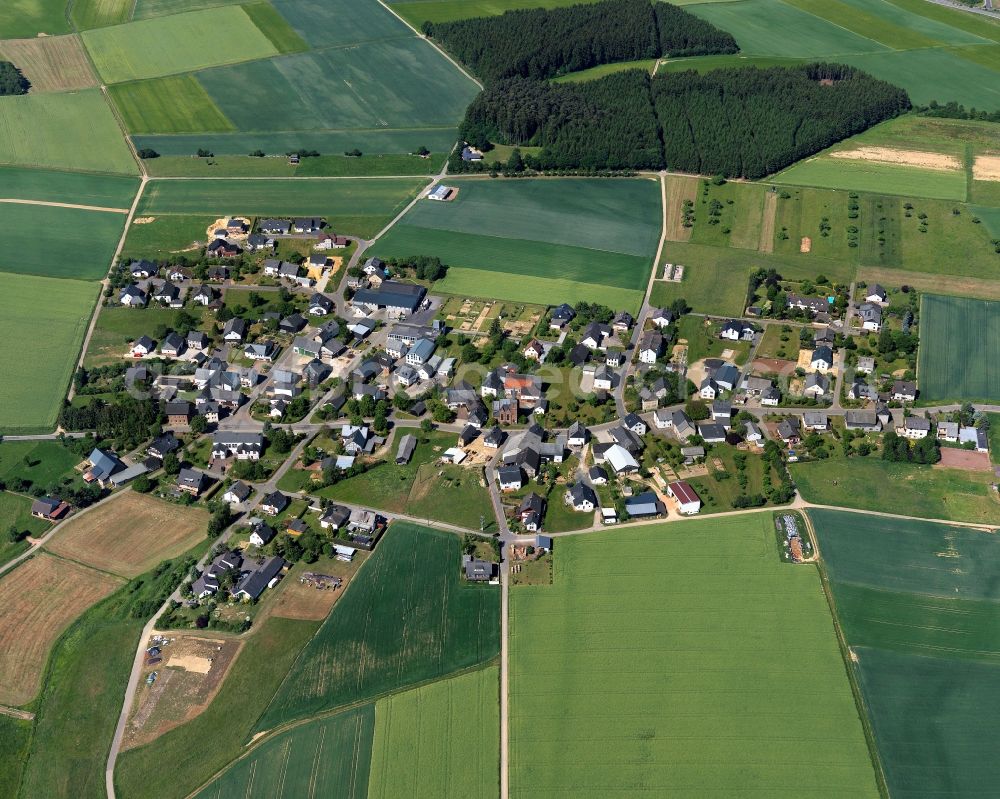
667,657
175,104
75,131
842,173
405,620
417,12
42,324
25,19
959,349
175,44
105,191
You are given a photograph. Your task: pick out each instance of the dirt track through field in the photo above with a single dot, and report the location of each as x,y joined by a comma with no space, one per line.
66,205
679,189
767,223
890,155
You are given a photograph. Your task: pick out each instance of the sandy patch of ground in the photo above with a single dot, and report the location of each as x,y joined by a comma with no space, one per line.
804,360
696,372
891,155
964,459
806,244
199,665
221,223
143,220
986,167
773,366
727,355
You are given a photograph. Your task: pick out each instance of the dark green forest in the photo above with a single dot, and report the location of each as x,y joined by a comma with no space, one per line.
543,43
11,80
740,122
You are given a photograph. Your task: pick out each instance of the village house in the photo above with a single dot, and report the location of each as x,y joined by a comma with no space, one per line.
50,509
816,385
237,493
822,358
561,316
650,347
132,296
644,506
274,503
737,330
871,316
915,427
534,350
234,330
875,293
192,481
904,391
581,497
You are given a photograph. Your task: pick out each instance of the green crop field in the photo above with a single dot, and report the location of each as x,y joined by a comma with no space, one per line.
399,83
569,239
328,757
179,43
717,634
105,191
88,14
902,43
359,207
842,173
275,27
324,166
176,104
416,12
25,19
201,747
440,740
341,22
145,9
959,349
77,244
405,619
42,323
921,627
74,131
928,492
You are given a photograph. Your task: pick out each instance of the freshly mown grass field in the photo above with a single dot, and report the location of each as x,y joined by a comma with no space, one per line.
715,278
841,173
130,535
208,743
356,207
441,740
176,104
324,166
51,63
327,757
921,627
25,19
105,191
935,54
166,235
717,634
73,131
175,44
568,239
959,357
76,243
406,619
40,342
928,492
41,597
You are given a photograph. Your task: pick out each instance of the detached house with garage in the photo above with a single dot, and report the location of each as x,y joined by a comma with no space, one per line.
871,316
132,296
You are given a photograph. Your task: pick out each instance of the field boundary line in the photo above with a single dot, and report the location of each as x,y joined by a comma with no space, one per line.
77,206
433,44
83,565
263,737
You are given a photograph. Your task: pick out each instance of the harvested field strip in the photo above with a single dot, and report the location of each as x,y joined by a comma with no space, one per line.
698,626
487,284
405,619
51,63
176,104
440,740
986,167
937,284
328,757
891,155
130,534
175,44
518,256
41,598
960,349
679,189
67,187
74,131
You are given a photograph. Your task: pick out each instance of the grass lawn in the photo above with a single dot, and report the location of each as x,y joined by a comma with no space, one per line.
106,191
327,757
175,44
718,495
922,491
703,341
34,334
74,131
442,739
25,19
202,746
920,625
78,244
358,207
175,104
701,625
405,619
43,463
165,235
116,327
959,356
15,511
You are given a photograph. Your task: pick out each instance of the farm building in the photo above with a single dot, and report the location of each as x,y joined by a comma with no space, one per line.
688,502
644,505
441,193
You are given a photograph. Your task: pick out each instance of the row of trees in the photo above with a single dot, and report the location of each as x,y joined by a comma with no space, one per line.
741,122
542,43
